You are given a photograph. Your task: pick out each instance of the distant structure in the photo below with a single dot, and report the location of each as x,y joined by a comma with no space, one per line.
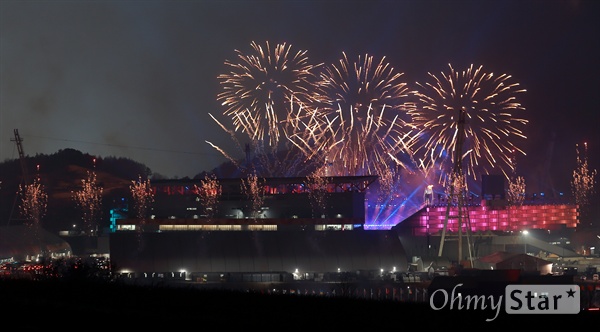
19,244
284,234
281,237
287,204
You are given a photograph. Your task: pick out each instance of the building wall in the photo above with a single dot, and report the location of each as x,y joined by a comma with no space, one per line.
247,251
279,206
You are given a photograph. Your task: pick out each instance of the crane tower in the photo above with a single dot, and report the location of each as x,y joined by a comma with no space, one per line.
456,196
18,140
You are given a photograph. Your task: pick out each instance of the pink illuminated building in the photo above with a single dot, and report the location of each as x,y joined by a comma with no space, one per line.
487,217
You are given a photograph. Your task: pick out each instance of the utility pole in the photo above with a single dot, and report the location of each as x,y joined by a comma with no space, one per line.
457,187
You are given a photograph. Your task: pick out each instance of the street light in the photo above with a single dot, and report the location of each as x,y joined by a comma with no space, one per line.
525,232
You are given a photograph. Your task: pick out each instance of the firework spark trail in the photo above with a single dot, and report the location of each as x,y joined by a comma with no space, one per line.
582,184
209,193
491,132
143,197
269,161
304,130
253,188
281,160
266,160
456,187
89,199
516,191
516,186
233,137
316,183
34,202
260,85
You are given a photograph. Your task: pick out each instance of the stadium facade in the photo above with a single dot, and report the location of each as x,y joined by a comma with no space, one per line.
295,227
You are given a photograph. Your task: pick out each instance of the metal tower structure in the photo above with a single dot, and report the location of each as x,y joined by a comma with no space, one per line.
18,140
457,190
24,173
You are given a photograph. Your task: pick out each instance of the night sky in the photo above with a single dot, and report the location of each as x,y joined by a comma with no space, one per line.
137,79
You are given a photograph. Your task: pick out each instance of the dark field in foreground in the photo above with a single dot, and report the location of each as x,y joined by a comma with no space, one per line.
85,306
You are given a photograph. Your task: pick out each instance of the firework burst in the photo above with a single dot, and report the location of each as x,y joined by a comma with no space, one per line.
258,94
362,121
257,88
472,116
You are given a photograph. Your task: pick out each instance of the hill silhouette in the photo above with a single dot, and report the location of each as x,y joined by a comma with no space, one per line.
61,174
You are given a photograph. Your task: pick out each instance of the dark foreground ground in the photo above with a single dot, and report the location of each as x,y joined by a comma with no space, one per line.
84,306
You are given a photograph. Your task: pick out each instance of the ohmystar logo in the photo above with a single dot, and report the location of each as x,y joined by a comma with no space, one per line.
542,299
